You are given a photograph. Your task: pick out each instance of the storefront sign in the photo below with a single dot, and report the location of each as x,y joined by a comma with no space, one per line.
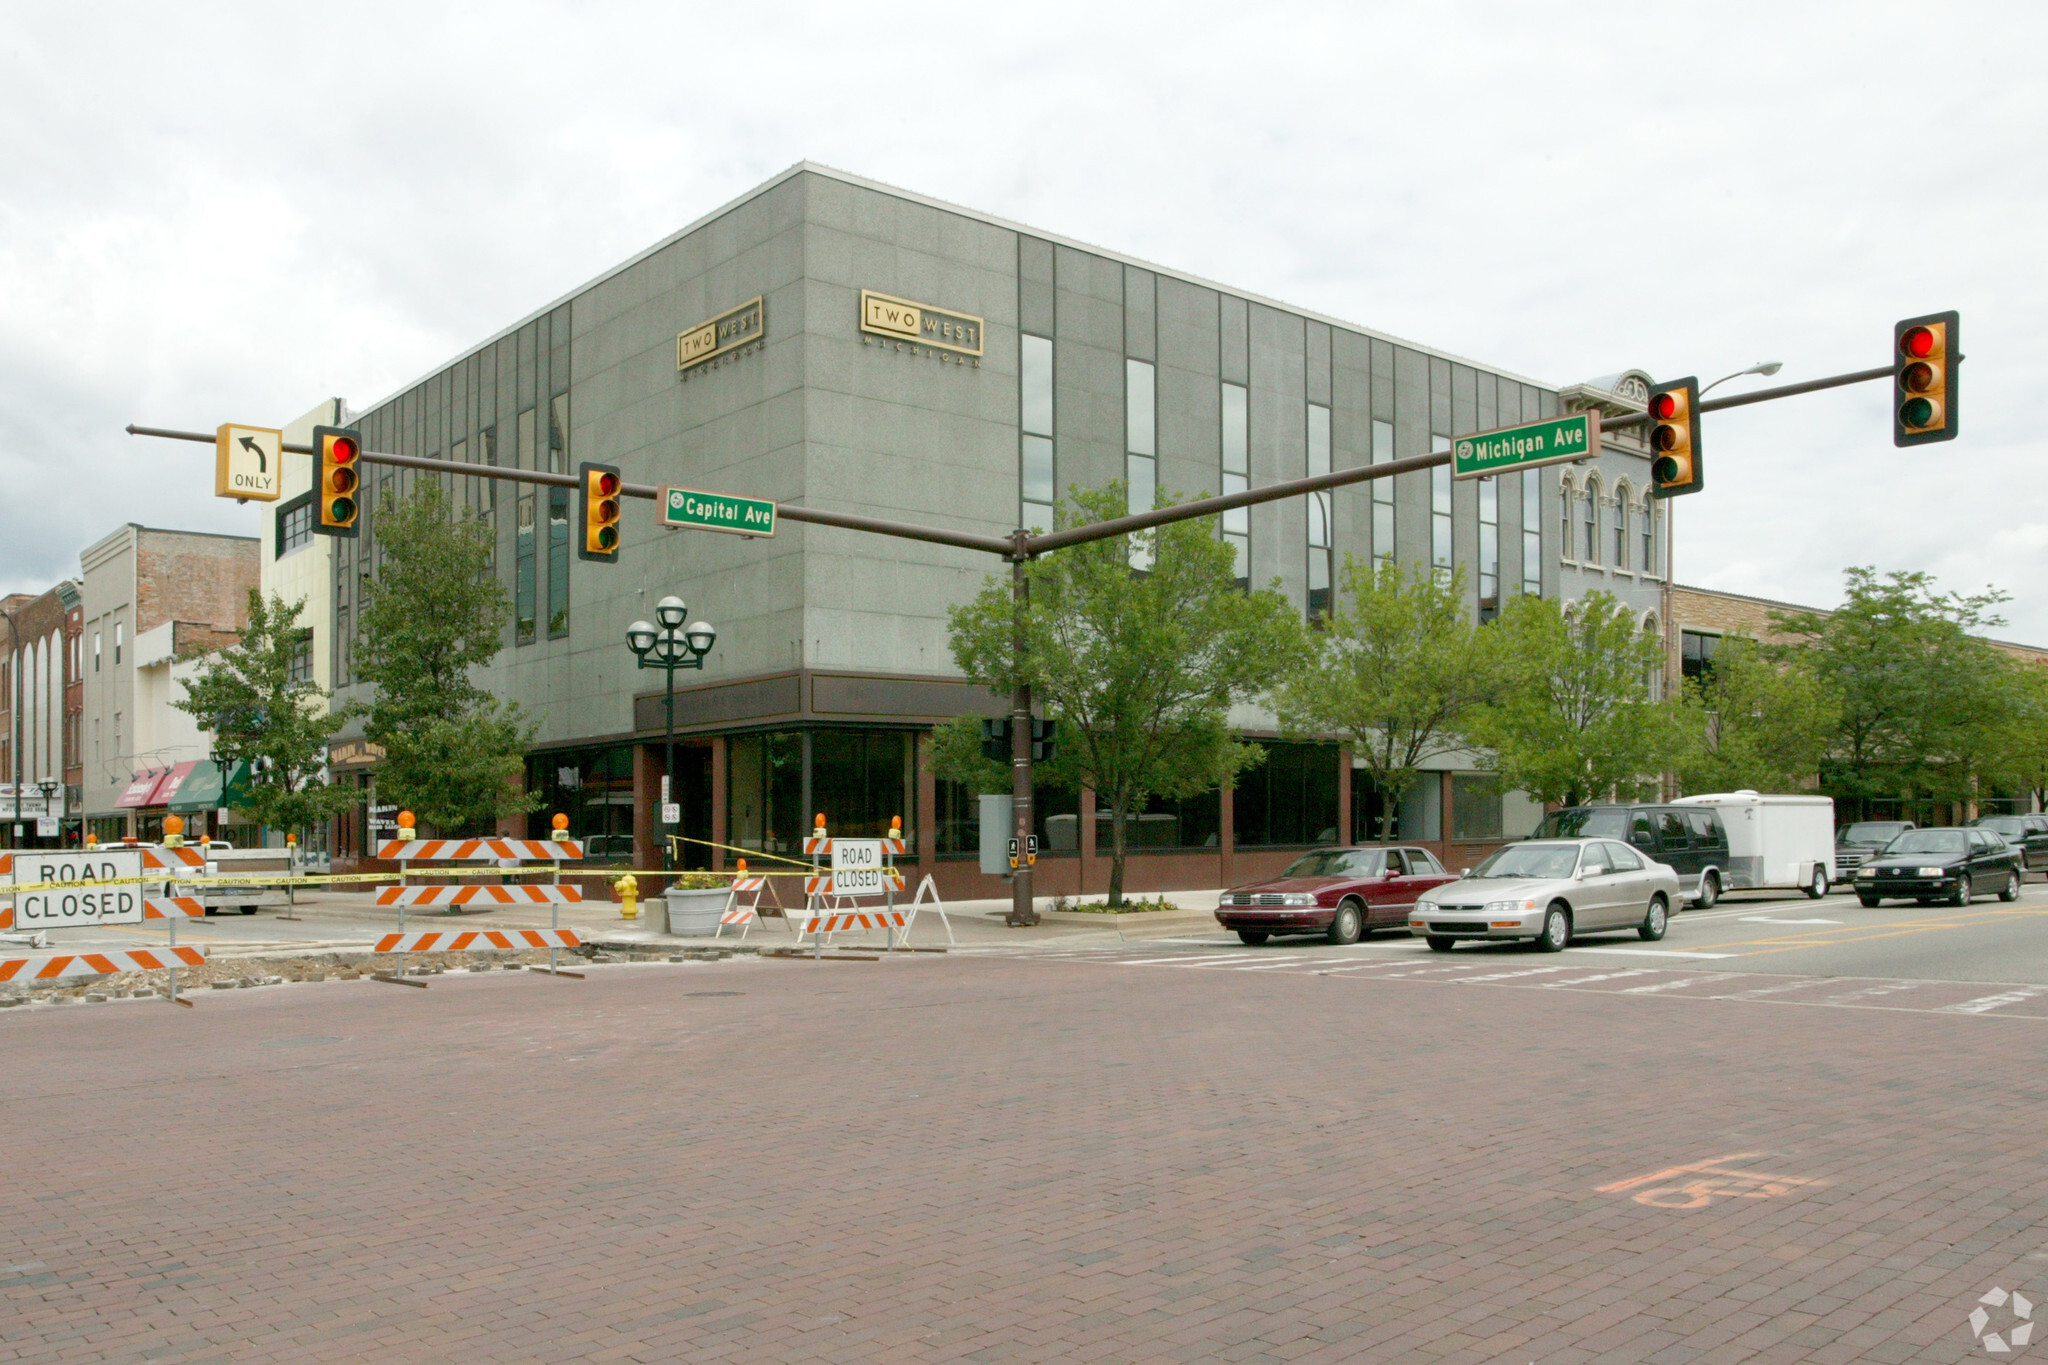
354,753
730,330
84,898
1552,441
940,329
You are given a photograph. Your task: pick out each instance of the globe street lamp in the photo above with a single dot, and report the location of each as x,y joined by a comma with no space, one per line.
48,788
669,647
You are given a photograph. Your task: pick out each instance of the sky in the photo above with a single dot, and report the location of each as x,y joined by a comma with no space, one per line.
216,212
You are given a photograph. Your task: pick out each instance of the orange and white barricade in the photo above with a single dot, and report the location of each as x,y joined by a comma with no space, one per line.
408,849
476,940
24,967
747,885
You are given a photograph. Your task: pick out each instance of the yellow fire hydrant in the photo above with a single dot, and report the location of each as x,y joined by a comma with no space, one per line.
629,896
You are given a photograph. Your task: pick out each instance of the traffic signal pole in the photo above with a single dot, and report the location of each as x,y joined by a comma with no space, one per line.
1020,547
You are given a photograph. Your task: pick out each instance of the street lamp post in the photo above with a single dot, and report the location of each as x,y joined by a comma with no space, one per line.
49,790
14,671
668,647
1762,367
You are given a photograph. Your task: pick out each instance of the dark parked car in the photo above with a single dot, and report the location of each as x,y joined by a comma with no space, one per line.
1341,893
2027,833
1690,840
1856,844
1927,865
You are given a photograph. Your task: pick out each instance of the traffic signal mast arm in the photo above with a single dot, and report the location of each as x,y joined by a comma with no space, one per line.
1022,546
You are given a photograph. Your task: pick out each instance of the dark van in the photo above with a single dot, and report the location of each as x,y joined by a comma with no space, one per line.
1690,840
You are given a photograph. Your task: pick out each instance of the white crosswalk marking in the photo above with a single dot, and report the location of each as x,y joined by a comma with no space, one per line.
1984,1004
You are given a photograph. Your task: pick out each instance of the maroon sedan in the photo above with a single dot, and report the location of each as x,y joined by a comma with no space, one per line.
1340,893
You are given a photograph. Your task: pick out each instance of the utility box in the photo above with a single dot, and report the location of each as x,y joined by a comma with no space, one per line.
997,817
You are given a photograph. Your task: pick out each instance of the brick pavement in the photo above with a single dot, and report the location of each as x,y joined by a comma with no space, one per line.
1005,1159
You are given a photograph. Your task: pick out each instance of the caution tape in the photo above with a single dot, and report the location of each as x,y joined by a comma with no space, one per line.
306,879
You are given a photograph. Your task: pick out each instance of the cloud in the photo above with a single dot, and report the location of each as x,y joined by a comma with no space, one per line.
234,210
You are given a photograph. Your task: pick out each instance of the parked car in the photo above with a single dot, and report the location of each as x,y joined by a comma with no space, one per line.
1550,891
2027,833
1927,865
1856,844
1340,893
1691,841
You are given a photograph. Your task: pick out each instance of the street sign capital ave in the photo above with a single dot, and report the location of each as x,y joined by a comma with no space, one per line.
1554,440
702,511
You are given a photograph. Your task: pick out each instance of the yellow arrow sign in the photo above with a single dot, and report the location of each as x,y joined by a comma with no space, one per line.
245,461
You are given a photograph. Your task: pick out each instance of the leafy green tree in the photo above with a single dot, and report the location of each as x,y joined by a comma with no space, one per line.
1139,669
2021,747
1756,720
1399,669
258,713
453,753
1921,698
1573,720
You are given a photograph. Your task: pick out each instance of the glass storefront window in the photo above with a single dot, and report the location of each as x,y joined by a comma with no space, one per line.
594,788
764,792
1195,822
1290,799
862,779
1475,808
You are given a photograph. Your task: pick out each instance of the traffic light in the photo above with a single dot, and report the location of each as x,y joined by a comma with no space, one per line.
1675,465
600,505
339,451
1043,740
995,740
1924,357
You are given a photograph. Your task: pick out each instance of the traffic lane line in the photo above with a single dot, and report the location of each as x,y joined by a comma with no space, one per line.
1870,933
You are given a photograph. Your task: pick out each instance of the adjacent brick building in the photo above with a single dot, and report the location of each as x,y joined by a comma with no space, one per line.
49,698
150,597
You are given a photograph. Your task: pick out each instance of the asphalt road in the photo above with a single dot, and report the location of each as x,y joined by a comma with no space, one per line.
1990,941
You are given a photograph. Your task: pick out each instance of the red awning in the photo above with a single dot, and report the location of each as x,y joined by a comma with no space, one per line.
154,788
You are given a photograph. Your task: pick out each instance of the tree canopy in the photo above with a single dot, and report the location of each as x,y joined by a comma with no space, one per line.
1761,720
453,753
1139,667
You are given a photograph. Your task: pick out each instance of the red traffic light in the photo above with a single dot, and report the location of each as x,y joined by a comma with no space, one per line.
607,485
1664,407
599,497
336,452
1924,363
1917,342
343,451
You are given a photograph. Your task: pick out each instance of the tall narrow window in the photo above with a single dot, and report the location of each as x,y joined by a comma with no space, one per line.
1592,522
525,581
1037,486
1565,507
1621,511
1532,532
1489,549
95,651
1440,510
1318,514
117,646
558,518
1237,522
1651,512
1141,451
487,496
1383,495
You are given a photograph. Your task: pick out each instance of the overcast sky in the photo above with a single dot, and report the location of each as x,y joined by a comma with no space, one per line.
213,212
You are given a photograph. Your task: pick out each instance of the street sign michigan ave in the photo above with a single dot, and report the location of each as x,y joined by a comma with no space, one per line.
1551,441
82,897
694,507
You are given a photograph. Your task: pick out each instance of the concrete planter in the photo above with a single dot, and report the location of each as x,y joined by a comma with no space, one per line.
694,914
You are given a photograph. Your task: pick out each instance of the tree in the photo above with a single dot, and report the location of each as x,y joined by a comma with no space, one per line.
453,753
260,714
2022,745
1573,720
1399,670
1138,668
1756,720
1921,697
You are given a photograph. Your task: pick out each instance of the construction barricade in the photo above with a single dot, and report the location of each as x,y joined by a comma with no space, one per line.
843,871
510,855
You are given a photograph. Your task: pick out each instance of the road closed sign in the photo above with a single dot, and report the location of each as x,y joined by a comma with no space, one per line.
857,867
81,895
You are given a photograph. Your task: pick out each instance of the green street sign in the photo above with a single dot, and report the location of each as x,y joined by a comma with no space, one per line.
695,508
1554,440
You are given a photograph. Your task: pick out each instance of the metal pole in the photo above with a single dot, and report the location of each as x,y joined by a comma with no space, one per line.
14,759
1021,824
668,771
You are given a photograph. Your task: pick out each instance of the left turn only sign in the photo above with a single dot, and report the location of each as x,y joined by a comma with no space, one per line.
245,461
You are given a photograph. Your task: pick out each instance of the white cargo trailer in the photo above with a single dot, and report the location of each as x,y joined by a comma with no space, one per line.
1775,841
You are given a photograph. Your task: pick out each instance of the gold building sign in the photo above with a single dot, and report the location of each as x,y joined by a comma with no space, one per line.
940,329
714,337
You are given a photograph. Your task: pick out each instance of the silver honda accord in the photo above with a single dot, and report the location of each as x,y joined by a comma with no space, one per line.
1550,891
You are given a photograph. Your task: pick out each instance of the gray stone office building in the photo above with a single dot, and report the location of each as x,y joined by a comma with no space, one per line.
827,341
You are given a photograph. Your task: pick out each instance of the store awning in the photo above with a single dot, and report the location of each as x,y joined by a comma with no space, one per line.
143,791
203,788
